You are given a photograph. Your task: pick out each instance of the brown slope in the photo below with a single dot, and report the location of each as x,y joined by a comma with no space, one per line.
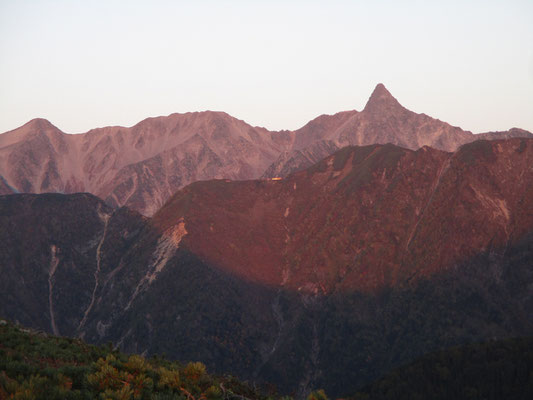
511,133
483,203
364,218
292,161
321,128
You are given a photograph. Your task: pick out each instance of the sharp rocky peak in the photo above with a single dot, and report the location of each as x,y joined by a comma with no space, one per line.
381,100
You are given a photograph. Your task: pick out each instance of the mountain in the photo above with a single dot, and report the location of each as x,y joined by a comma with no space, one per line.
383,120
139,166
142,166
367,217
328,278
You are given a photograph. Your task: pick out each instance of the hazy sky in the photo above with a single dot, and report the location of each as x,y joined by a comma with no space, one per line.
278,64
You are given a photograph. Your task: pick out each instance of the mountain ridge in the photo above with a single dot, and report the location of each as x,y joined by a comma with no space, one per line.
328,278
142,165
228,220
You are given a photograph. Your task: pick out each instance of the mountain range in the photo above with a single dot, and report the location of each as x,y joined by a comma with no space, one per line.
142,166
329,277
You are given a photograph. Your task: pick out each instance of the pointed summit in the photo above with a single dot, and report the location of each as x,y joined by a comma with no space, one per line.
381,100
39,123
380,90
37,126
31,128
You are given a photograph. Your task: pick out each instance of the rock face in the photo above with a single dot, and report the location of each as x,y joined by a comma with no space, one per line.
296,160
142,166
328,278
139,166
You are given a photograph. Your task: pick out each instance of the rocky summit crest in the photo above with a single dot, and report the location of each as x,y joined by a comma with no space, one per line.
381,100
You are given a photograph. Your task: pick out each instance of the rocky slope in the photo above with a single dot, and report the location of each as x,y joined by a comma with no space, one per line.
139,166
142,166
367,217
328,278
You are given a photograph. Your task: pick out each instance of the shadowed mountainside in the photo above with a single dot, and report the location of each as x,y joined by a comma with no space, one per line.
493,370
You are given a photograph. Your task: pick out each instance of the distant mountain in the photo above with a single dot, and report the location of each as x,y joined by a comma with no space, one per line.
142,166
383,120
139,166
328,278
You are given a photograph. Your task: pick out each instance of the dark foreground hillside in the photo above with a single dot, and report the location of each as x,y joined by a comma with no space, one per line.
34,365
491,371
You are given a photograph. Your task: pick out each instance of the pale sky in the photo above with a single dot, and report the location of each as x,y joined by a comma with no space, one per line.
277,64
